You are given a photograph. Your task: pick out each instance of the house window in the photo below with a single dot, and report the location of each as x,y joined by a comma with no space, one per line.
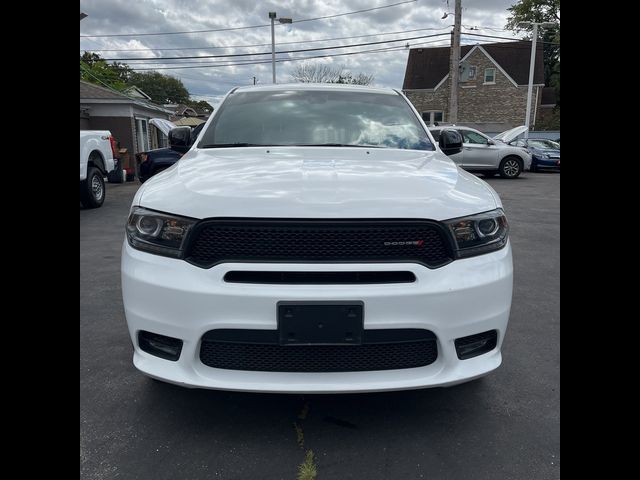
432,116
490,75
472,73
163,141
142,134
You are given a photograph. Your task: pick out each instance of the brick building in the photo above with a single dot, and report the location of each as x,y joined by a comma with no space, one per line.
492,91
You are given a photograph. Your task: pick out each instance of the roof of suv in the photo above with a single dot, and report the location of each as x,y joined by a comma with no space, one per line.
316,86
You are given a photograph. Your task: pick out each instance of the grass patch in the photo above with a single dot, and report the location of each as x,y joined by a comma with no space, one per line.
307,470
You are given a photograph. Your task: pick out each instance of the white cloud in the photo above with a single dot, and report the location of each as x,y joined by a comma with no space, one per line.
147,16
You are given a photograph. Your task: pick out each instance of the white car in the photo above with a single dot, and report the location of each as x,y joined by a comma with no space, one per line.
97,153
487,155
315,239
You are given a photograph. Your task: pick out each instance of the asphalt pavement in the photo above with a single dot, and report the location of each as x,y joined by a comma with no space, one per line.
504,426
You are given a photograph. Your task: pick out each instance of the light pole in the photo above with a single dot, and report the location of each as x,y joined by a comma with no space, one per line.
272,16
455,62
534,40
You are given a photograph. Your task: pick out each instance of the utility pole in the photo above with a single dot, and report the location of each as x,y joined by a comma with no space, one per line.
532,62
454,72
272,16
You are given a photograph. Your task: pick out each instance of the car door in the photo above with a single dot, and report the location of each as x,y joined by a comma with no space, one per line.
477,153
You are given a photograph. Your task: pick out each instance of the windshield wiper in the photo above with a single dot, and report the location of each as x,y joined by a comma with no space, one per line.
333,145
231,145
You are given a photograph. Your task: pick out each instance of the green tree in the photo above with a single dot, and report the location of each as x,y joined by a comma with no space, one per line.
161,88
95,70
541,11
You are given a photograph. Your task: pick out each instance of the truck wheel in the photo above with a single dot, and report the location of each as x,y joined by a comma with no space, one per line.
510,167
92,189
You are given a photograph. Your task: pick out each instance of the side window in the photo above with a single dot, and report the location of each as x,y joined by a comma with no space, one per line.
490,75
473,137
432,116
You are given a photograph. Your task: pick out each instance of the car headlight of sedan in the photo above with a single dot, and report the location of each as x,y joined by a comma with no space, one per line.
479,234
542,156
157,232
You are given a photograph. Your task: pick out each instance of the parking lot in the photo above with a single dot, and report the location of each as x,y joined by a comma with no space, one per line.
505,425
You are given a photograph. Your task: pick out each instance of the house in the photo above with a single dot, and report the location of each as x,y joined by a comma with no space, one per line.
125,114
492,89
182,111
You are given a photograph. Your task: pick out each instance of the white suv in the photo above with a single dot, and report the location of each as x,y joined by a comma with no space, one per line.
487,155
316,239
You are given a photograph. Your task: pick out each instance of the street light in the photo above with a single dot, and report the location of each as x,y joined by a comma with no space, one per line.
534,40
446,14
272,16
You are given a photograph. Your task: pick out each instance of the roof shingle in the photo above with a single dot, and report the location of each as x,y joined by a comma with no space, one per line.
426,67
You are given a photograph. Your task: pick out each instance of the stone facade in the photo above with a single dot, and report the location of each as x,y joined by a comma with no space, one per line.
487,107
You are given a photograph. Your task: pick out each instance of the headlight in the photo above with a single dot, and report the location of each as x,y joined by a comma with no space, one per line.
478,234
542,156
158,233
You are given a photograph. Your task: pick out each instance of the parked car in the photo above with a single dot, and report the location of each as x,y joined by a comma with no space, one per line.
316,238
97,153
154,161
545,154
489,156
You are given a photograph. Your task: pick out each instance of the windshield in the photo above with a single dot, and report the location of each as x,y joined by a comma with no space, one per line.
544,144
327,118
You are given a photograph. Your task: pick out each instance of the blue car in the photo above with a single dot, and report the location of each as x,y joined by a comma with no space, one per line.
545,154
154,161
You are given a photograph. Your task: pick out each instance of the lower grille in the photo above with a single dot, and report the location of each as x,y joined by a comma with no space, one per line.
258,350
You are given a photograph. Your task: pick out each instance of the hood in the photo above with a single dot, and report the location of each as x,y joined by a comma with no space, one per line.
509,135
308,182
163,125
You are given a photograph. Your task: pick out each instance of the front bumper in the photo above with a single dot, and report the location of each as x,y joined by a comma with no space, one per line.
174,298
546,163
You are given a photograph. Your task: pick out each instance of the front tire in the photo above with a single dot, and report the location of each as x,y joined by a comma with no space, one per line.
92,189
510,167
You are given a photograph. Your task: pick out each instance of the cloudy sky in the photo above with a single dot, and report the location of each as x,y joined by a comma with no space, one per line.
422,17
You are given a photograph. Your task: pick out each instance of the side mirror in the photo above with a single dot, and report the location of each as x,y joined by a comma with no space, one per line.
180,139
450,142
491,142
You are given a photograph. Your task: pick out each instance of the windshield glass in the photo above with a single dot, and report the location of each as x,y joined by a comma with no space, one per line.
544,144
315,117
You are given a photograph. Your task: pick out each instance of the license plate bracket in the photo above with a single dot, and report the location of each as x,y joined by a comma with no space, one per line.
320,323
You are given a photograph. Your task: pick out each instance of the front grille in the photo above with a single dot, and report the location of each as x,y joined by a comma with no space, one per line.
258,240
258,350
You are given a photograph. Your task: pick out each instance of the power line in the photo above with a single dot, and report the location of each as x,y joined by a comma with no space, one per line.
505,38
386,49
262,44
246,27
230,55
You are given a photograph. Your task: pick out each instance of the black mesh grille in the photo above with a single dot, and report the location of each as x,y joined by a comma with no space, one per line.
269,357
215,241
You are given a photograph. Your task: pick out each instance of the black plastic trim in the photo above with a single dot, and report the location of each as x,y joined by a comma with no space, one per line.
318,278
298,222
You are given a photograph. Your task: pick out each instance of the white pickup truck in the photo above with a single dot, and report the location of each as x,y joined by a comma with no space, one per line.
97,153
